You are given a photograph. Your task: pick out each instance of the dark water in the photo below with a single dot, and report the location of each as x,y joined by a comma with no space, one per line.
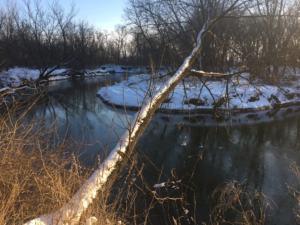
259,152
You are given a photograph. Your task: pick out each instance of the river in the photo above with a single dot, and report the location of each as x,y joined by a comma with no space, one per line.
259,152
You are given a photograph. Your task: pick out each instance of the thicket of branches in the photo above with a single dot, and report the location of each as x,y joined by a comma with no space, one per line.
263,36
47,37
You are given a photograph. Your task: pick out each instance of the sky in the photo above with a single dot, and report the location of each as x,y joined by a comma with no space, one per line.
103,14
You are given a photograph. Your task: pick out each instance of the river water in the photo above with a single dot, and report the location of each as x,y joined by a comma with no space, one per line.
258,152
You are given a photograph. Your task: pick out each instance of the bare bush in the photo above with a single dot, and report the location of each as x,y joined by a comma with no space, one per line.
236,205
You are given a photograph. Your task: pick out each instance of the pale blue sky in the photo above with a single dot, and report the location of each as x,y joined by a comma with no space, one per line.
103,14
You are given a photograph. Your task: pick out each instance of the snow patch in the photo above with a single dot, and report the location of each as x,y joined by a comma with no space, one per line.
161,185
193,95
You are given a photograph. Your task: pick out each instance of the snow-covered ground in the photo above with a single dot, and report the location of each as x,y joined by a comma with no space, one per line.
17,75
192,94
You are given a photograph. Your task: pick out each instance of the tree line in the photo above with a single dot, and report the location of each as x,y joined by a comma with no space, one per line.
261,35
47,38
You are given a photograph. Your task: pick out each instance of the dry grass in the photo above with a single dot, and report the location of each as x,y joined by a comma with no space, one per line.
40,170
294,190
236,205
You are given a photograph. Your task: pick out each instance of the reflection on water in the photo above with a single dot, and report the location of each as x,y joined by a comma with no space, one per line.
81,114
260,152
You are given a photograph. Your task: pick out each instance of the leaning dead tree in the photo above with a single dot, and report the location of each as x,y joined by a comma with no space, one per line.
104,177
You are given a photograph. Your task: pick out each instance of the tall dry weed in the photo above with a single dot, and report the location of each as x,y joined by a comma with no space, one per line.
40,170
294,190
235,204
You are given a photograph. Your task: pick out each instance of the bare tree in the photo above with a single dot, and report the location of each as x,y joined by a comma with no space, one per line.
52,39
264,36
272,28
44,35
120,37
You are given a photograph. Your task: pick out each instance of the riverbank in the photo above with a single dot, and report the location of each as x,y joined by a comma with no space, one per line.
206,97
20,76
17,84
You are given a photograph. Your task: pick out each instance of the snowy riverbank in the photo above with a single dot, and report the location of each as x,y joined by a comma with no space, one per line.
17,76
193,95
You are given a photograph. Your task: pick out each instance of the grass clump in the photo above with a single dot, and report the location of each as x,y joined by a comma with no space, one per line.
235,204
40,170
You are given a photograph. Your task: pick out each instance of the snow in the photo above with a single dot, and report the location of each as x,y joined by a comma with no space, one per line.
58,77
263,109
88,73
15,76
57,71
4,89
184,141
8,90
161,185
249,97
